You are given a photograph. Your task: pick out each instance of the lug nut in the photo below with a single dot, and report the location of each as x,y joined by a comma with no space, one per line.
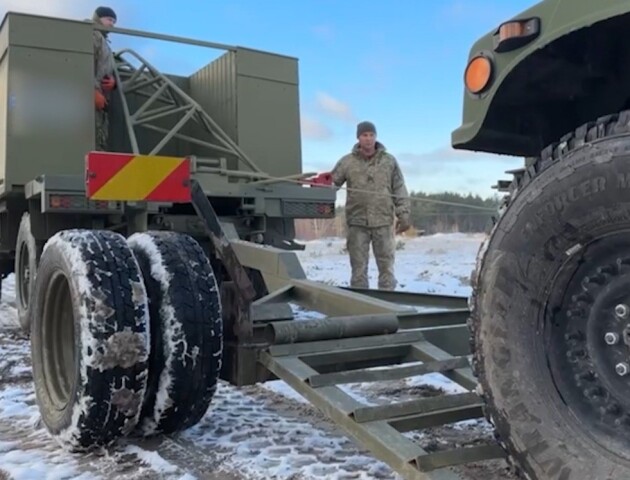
622,310
622,369
611,338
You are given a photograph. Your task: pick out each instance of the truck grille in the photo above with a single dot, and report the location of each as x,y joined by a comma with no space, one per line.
308,209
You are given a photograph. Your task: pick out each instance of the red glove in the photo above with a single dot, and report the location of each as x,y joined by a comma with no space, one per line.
321,179
99,100
108,83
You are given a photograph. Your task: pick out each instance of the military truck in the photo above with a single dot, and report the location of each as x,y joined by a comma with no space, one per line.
550,310
48,127
159,121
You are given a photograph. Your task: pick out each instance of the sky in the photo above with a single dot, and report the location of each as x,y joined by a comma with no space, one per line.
398,64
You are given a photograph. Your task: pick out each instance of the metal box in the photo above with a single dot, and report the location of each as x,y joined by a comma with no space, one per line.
47,103
254,97
46,98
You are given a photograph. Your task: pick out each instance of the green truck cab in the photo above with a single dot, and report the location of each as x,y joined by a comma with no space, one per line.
550,303
543,73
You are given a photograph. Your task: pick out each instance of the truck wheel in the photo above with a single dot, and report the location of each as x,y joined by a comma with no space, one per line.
550,311
89,338
27,254
186,325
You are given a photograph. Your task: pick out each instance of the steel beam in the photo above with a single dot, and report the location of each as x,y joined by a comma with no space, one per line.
386,374
331,327
166,38
413,298
427,352
383,440
336,301
420,407
440,318
346,344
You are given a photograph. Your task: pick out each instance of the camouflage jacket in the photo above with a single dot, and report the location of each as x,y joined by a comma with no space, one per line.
379,174
103,59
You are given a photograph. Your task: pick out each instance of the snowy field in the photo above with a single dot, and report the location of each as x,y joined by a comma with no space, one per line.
259,432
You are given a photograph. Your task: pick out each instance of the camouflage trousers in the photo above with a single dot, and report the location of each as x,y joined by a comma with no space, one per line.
102,130
384,247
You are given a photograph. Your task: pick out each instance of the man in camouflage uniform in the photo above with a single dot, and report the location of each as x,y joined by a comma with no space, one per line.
376,195
104,81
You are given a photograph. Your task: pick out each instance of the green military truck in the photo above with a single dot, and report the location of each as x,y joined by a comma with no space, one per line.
550,317
234,125
242,106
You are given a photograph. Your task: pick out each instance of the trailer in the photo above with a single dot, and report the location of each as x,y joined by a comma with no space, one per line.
148,273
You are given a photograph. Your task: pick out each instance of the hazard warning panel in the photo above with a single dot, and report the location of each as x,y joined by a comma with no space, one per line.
135,178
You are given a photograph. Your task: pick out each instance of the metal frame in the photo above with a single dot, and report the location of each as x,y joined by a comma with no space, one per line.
360,332
165,101
146,81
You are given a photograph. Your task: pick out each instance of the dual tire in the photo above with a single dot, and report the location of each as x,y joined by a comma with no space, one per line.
126,335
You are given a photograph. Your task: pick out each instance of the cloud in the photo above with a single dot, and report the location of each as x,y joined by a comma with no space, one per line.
449,156
335,108
324,32
313,129
455,170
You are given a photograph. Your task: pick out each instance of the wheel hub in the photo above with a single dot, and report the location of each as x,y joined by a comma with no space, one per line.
593,339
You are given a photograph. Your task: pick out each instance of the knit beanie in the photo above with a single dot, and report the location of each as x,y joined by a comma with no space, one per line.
364,127
101,12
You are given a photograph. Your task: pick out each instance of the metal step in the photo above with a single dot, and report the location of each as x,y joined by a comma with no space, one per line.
318,369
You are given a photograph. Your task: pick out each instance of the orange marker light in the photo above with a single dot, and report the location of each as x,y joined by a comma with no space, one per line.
511,30
478,73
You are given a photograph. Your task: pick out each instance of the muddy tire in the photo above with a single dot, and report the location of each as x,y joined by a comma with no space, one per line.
186,325
548,335
27,253
89,338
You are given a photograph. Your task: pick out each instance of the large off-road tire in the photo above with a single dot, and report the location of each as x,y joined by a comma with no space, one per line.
186,325
27,252
550,327
89,338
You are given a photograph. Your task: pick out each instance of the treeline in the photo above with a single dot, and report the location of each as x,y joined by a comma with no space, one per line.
452,212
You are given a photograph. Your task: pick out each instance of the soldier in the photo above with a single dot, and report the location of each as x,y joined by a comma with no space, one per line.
370,216
104,81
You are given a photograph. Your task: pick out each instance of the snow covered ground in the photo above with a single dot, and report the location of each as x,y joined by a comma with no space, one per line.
259,432
439,263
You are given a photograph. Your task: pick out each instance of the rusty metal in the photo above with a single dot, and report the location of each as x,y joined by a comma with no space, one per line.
330,327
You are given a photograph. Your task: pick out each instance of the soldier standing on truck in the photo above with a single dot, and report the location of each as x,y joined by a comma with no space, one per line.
104,81
376,196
